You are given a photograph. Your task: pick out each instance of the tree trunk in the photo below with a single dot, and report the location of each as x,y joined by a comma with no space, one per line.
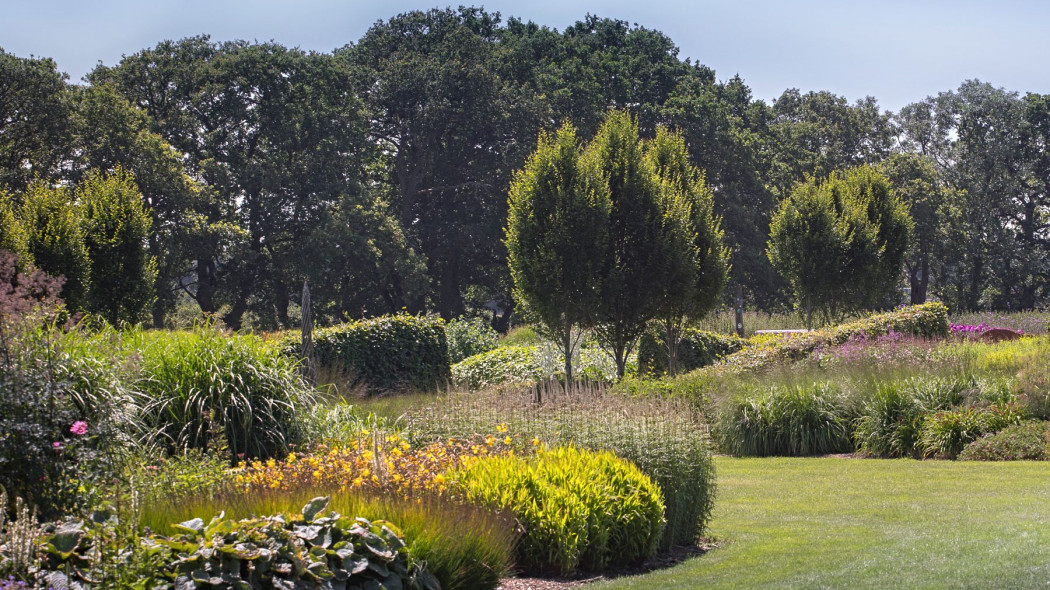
566,347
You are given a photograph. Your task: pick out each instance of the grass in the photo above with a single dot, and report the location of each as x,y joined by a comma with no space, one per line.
847,523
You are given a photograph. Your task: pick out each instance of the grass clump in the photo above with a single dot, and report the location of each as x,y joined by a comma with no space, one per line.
1027,441
204,383
578,508
785,421
891,419
945,434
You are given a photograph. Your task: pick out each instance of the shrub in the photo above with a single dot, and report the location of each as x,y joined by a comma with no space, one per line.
666,439
468,337
391,353
578,508
510,364
788,421
280,551
891,419
1027,441
205,384
697,349
945,434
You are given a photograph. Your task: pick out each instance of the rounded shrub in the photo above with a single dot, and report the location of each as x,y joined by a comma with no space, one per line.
390,353
1027,441
204,384
789,421
578,509
468,337
509,364
696,349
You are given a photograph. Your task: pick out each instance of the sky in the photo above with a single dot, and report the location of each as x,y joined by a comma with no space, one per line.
897,51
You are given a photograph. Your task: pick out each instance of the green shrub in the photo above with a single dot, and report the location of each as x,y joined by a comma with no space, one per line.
788,421
507,364
891,419
668,440
281,551
945,434
468,337
1027,441
205,384
522,336
696,349
391,353
578,508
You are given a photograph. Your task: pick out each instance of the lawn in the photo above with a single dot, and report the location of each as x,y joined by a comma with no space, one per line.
856,523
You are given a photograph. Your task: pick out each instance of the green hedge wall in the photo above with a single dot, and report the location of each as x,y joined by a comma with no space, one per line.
697,349
385,354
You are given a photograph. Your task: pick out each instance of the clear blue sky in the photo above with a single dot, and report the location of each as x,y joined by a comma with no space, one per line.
897,51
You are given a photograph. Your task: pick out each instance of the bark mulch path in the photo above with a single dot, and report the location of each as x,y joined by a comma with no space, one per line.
662,560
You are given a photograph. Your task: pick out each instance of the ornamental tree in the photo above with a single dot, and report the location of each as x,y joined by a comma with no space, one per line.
840,243
556,237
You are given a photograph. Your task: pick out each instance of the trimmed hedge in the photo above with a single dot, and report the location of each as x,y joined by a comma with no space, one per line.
578,508
385,354
697,349
508,364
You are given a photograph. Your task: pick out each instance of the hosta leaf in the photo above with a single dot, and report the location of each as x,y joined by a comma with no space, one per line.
313,507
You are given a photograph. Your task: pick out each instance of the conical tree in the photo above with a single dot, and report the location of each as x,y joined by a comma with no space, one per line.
53,227
556,238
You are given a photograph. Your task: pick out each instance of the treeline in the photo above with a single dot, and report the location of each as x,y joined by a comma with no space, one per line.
379,172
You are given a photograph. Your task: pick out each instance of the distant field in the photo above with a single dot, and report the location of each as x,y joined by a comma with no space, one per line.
865,523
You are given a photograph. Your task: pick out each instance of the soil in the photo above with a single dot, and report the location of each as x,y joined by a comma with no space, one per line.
665,559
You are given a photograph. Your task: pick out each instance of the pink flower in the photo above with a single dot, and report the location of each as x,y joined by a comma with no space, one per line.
79,427
56,445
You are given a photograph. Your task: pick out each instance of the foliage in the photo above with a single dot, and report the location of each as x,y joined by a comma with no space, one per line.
203,385
281,550
531,364
390,353
468,337
945,434
667,440
794,421
697,260
556,238
1027,441
116,232
55,239
840,242
891,420
697,349
578,508
464,547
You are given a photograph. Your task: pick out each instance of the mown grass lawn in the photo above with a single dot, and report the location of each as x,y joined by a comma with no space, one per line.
859,523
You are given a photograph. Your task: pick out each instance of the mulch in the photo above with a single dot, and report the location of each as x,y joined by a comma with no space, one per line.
665,559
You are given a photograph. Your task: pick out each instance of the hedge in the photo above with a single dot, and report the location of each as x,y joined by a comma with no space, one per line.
697,349
385,354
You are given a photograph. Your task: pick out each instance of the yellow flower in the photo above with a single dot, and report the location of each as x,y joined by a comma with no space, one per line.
535,441
490,440
502,427
291,457
507,441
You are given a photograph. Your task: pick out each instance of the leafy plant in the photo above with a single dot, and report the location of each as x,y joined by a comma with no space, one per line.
468,337
390,353
945,434
1027,441
578,508
697,349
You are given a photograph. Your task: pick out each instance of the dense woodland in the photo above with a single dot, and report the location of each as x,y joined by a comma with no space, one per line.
380,172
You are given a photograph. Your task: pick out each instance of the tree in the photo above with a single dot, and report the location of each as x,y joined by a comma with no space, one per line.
34,120
840,243
116,231
55,240
918,183
12,234
697,261
556,238
636,263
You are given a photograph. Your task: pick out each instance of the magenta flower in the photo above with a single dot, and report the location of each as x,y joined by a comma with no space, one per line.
79,427
56,445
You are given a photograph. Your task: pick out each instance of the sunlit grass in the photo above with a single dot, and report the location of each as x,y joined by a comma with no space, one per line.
849,523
